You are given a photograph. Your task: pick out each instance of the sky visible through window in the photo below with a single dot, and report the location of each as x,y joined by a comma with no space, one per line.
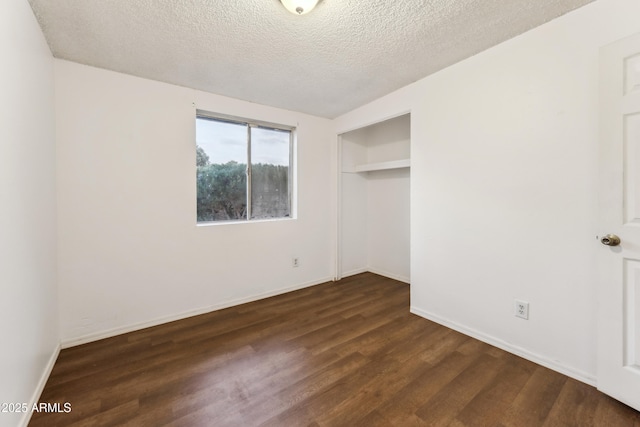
224,142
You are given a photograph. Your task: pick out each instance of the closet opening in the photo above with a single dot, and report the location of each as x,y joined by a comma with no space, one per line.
373,197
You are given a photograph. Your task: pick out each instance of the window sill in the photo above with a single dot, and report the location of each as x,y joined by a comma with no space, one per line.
234,222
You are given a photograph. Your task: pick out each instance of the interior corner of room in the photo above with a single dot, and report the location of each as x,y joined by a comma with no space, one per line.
477,184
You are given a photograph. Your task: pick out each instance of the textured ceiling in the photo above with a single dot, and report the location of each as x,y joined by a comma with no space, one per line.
340,56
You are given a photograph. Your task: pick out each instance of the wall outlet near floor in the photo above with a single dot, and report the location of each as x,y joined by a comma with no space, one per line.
295,262
522,309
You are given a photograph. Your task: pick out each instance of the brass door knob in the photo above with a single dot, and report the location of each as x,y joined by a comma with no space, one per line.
610,240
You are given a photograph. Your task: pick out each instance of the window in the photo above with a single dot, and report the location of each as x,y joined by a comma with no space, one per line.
243,169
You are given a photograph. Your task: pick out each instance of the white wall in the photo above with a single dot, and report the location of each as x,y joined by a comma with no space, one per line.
354,256
28,305
388,235
354,253
130,251
504,179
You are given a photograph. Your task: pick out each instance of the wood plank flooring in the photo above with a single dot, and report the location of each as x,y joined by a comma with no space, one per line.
339,354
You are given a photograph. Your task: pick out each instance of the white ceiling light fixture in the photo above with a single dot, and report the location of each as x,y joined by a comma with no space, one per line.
299,7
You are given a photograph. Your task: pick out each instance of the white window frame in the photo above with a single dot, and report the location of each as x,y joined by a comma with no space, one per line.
250,123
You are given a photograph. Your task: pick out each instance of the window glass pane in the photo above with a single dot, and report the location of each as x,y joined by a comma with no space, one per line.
221,160
270,173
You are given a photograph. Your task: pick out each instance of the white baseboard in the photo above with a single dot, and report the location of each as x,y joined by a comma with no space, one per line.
95,336
375,271
35,397
390,275
518,351
354,272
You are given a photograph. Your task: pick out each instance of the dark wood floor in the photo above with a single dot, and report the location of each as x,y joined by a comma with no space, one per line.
338,354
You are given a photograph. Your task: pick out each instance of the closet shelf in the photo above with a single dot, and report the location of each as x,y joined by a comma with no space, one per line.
394,164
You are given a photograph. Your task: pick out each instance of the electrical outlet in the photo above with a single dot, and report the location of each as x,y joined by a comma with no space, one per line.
295,262
522,309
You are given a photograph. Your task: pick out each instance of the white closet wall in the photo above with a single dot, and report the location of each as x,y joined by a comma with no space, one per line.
374,214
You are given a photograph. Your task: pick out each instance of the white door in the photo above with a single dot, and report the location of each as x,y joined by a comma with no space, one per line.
619,266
